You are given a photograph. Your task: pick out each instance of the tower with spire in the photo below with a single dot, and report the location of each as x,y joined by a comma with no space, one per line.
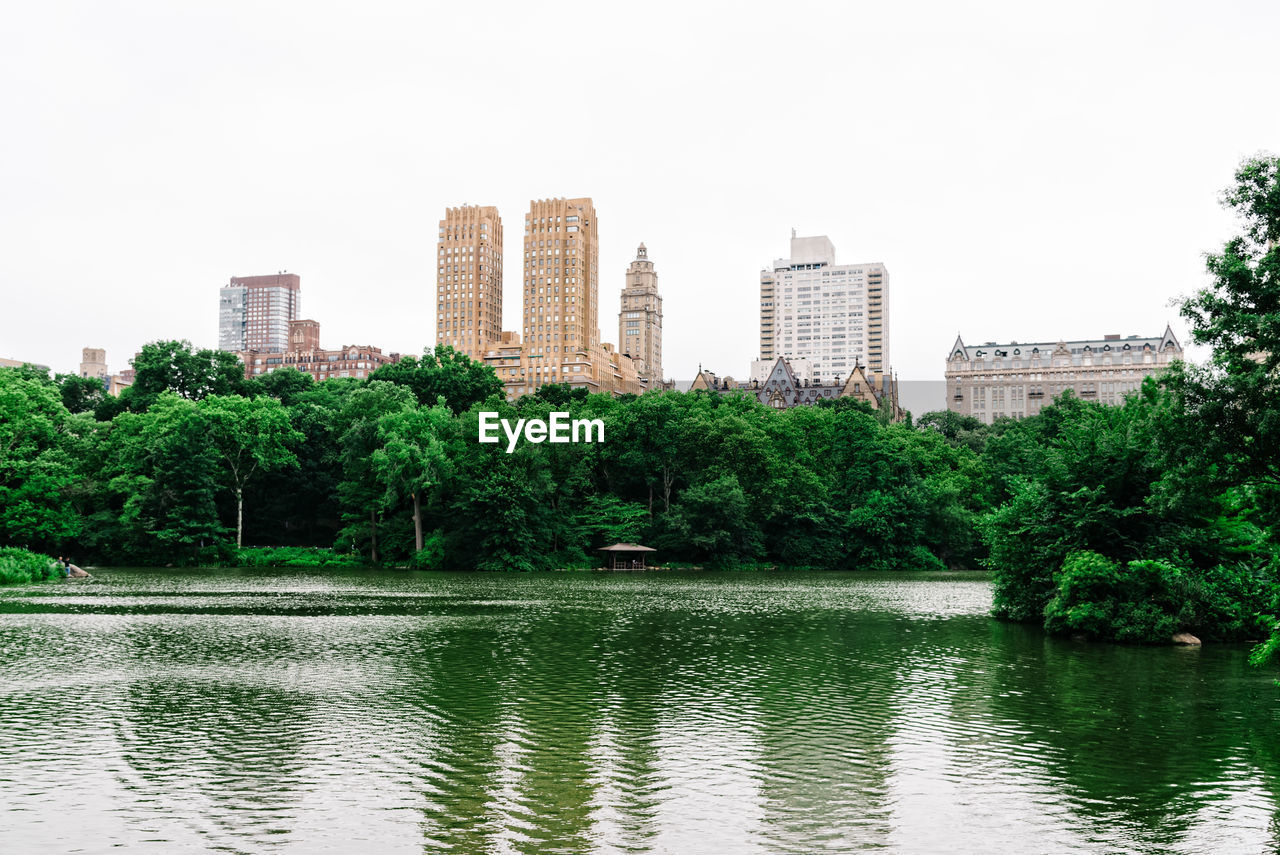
640,320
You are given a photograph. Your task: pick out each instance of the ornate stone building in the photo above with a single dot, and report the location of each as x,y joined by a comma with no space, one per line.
640,321
1018,379
782,389
469,279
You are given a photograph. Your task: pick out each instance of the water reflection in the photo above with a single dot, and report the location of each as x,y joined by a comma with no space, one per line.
733,713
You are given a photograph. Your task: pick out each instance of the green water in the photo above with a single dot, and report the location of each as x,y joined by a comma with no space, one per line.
245,711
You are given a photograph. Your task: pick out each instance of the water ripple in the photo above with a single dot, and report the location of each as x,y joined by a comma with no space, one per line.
180,711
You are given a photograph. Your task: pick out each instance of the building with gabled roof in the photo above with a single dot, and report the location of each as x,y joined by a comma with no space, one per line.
782,389
1017,379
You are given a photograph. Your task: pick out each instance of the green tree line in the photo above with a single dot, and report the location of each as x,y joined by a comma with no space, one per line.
1126,522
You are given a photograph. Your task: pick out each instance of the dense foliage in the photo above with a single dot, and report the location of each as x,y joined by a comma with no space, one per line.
1126,522
390,469
20,565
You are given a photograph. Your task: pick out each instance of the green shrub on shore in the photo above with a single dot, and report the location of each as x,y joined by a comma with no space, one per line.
1146,602
19,566
295,556
1137,601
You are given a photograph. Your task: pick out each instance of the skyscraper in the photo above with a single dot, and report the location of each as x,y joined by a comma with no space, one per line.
561,287
469,279
835,316
254,312
640,321
561,320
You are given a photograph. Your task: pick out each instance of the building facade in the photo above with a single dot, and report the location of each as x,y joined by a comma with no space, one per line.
835,316
1015,380
254,312
306,355
640,319
782,388
93,363
17,363
561,319
469,279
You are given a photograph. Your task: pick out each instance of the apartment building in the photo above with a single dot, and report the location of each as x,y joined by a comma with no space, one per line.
1019,378
832,316
469,279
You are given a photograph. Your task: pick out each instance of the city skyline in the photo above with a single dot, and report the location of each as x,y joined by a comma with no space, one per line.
1012,189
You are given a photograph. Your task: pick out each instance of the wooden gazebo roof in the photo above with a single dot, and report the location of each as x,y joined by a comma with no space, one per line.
625,547
619,550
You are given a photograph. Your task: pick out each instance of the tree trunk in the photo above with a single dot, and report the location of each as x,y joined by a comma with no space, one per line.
417,524
239,518
373,535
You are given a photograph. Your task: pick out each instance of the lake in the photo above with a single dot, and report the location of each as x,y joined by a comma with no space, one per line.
296,711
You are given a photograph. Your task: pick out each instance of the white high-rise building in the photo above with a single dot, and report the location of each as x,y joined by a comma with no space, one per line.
834,316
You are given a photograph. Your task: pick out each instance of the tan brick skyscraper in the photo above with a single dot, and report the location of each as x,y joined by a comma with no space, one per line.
561,285
469,279
561,321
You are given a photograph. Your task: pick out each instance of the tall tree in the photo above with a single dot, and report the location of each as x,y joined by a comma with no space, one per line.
1238,314
249,436
413,459
37,470
362,492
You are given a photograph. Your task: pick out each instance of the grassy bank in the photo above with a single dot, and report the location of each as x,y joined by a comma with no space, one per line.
19,566
295,556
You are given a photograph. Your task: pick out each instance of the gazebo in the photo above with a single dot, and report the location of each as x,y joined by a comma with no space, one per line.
627,556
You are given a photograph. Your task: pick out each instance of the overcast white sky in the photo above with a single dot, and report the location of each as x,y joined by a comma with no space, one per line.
1025,171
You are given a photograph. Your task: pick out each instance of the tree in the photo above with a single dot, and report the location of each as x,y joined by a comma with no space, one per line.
711,521
81,394
414,457
1238,315
362,491
161,478
177,367
249,436
37,469
285,384
444,373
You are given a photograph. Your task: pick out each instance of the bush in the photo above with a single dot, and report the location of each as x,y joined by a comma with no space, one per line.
1148,601
1231,603
19,566
295,556
431,556
1137,602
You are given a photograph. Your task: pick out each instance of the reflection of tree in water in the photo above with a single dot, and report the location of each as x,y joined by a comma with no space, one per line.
227,751
826,680
1143,738
578,702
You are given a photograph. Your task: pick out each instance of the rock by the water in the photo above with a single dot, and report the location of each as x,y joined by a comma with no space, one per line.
79,573
1184,638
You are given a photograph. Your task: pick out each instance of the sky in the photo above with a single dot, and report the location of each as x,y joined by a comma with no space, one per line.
1027,172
